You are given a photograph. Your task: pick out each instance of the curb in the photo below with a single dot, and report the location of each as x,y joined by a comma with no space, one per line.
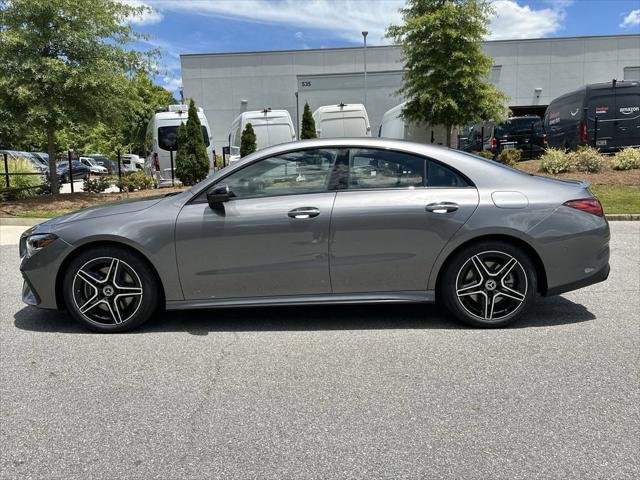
626,217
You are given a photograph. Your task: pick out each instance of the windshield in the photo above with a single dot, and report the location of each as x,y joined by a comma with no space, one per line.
516,126
168,137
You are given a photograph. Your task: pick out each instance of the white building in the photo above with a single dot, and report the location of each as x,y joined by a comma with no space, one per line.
531,72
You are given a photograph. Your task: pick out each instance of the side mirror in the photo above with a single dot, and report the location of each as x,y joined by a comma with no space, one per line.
218,194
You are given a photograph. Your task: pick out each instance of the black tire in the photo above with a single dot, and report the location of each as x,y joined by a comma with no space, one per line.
506,286
110,294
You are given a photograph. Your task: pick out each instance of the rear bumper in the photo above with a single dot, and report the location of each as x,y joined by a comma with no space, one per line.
597,277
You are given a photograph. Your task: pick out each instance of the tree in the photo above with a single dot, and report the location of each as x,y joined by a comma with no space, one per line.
308,124
446,71
248,141
192,163
66,62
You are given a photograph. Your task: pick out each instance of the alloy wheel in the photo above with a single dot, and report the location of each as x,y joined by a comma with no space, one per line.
107,291
491,285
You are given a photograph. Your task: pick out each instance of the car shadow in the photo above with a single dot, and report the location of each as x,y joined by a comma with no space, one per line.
546,312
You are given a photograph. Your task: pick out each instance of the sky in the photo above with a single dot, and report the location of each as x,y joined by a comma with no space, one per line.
212,26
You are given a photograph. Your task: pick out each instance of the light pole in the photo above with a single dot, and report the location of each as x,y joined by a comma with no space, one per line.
364,35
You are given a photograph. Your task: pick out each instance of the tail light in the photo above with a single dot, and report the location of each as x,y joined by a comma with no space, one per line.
545,144
583,131
494,142
589,205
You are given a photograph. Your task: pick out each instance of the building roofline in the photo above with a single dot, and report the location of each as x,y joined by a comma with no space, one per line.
278,52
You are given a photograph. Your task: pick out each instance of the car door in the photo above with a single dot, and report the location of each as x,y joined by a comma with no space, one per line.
627,124
392,221
270,239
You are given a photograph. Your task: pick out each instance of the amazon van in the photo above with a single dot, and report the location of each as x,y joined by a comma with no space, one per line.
570,120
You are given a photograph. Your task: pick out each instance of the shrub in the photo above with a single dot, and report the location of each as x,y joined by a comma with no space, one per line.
308,129
509,157
98,185
20,165
555,161
626,159
192,160
248,141
484,154
45,188
587,159
135,181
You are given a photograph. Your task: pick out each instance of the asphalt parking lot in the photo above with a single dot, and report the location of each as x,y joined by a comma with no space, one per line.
331,392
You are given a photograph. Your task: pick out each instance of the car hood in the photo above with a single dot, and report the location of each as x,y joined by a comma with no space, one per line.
115,208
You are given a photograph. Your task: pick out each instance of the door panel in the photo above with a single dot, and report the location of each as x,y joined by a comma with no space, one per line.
627,117
254,247
386,240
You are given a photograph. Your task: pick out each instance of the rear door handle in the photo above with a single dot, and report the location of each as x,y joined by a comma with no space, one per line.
304,212
442,207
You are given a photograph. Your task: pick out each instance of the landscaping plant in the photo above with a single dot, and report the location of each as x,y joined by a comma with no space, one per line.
20,165
308,124
97,185
484,154
509,157
135,181
587,159
248,141
192,162
626,159
555,160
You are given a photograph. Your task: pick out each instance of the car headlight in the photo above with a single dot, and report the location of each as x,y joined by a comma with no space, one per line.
34,243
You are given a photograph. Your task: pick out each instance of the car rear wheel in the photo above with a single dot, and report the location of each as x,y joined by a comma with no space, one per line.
489,284
110,289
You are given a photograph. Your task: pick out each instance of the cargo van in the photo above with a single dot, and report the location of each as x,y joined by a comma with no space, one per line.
524,133
342,120
272,127
394,126
570,120
162,138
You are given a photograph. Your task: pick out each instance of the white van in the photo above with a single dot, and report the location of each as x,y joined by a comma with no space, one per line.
342,120
133,161
162,137
272,127
394,126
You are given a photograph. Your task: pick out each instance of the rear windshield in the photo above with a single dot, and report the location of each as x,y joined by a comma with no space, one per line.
168,137
515,126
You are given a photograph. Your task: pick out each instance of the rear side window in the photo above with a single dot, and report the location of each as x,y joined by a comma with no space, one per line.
443,177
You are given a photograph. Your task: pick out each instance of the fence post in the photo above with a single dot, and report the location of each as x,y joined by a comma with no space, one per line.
70,170
119,172
6,171
595,132
482,138
173,184
531,141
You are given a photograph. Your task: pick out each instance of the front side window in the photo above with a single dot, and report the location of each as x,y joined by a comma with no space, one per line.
371,168
304,171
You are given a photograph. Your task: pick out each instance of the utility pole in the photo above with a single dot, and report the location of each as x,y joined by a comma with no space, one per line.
364,35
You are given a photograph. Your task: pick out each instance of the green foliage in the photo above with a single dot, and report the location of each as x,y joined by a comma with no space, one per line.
484,154
308,124
192,163
66,62
509,157
626,159
446,71
135,181
248,141
587,159
20,165
97,185
555,160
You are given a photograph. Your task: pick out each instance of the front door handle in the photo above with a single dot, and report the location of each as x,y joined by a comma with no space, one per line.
442,207
304,212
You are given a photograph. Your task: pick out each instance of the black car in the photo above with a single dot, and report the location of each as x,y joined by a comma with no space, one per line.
79,171
523,133
603,115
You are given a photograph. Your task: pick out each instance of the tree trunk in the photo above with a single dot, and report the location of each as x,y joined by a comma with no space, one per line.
448,135
51,150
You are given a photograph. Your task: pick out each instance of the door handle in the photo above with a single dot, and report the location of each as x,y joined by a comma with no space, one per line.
304,212
442,207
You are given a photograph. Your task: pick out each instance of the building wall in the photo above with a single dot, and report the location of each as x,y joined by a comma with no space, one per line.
221,82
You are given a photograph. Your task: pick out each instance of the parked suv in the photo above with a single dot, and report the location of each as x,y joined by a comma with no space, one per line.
524,133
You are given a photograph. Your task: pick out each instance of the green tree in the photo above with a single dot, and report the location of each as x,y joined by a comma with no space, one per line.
192,163
248,141
446,71
308,124
67,62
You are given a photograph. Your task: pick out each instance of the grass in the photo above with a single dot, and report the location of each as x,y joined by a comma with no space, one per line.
618,198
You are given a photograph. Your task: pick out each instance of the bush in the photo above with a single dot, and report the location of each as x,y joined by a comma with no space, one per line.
509,157
484,154
20,165
308,129
192,160
248,141
135,181
98,185
555,161
626,159
587,159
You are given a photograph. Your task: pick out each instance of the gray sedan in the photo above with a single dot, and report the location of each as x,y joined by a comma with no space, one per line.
326,221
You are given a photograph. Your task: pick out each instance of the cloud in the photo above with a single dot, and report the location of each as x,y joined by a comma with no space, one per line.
149,16
513,21
171,83
299,35
631,20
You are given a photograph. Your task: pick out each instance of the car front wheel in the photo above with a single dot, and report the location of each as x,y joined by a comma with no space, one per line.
489,284
110,289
